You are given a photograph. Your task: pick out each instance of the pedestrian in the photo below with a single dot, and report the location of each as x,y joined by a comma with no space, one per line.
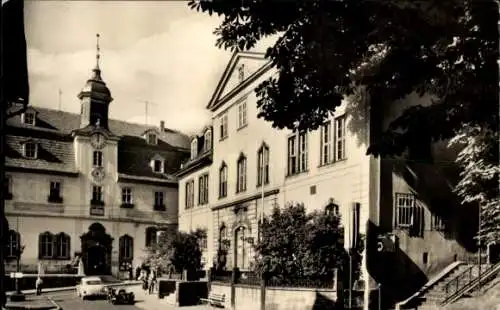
152,281
137,273
38,285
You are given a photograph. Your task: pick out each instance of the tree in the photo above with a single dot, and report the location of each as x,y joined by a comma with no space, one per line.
479,177
295,245
327,49
177,253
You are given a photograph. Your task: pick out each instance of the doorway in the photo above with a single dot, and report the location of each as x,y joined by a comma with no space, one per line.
96,250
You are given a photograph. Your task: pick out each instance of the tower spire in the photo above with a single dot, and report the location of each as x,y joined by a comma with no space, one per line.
98,50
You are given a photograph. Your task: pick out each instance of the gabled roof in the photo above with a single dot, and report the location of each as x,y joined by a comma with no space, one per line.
257,60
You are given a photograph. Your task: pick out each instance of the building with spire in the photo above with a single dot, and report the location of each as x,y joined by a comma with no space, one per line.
87,186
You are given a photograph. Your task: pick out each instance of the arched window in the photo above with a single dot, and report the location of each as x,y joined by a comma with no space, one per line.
126,244
241,247
241,178
194,147
223,238
332,209
151,236
223,180
208,139
263,165
46,245
62,246
13,244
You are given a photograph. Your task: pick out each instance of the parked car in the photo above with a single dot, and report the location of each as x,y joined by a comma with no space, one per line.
120,296
91,287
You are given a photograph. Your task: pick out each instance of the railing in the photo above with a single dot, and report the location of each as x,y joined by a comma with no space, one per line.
482,276
454,284
301,282
222,276
249,278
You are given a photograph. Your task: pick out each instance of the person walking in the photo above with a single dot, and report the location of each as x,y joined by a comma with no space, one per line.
38,285
152,280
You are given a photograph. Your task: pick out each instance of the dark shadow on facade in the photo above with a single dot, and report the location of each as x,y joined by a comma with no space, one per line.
322,302
96,250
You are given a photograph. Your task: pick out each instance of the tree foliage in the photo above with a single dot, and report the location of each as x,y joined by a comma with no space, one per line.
480,174
328,48
295,245
177,252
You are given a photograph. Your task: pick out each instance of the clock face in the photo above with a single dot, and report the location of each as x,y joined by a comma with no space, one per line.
97,140
98,174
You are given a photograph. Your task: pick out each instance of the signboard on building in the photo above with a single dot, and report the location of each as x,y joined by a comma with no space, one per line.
97,210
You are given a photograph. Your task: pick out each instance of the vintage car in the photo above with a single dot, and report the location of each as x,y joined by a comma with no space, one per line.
91,287
120,296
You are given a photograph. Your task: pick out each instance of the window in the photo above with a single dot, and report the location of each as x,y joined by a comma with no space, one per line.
62,246
7,187
203,242
189,194
223,238
126,245
159,201
223,126
203,189
223,180
405,208
97,193
241,73
241,178
30,150
157,165
208,140
55,189
438,223
242,114
151,236
46,245
29,118
241,248
13,244
326,143
263,165
151,138
332,209
297,153
340,138
194,148
97,159
126,195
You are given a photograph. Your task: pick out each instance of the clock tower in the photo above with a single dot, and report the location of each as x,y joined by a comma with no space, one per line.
95,98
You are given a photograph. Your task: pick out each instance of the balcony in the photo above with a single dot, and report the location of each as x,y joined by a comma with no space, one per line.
96,208
127,205
159,207
55,199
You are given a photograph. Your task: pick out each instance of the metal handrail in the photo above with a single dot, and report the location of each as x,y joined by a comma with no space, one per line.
480,278
456,280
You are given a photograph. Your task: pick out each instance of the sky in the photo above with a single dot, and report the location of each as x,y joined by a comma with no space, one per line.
160,51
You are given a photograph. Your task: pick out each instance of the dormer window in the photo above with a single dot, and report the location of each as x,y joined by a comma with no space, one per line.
30,150
194,148
29,118
157,164
152,138
208,140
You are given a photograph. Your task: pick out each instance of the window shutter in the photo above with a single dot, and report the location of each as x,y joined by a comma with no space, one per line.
40,247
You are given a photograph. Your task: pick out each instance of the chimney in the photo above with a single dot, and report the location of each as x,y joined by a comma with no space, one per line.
162,126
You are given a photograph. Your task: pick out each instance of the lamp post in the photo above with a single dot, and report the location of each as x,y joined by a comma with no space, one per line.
479,245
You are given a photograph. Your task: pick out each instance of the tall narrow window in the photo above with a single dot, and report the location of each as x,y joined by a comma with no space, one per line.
223,238
151,138
97,202
203,189
126,245
223,126
297,153
151,239
46,245
7,187
13,244
208,140
62,246
340,138
405,209
189,194
194,148
263,165
97,159
157,165
223,180
241,178
29,118
242,114
127,195
55,189
326,143
30,150
159,201
97,193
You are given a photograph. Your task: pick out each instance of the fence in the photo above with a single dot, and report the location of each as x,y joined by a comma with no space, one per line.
249,290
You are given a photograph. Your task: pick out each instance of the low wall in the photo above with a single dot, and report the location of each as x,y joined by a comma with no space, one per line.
49,281
277,298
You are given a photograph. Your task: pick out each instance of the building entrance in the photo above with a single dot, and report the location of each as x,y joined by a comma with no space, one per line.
96,250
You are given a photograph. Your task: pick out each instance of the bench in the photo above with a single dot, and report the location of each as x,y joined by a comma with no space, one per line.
215,299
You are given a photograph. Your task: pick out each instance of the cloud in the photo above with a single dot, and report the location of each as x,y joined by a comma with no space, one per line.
176,69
